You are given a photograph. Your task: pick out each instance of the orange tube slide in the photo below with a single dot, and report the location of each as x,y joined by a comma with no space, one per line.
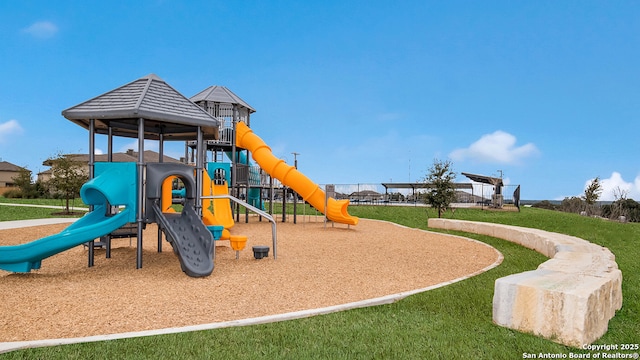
289,176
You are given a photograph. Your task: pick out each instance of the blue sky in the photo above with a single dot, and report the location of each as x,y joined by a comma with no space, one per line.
547,92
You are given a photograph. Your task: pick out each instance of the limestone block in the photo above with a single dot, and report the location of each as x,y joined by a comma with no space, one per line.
572,309
569,299
585,263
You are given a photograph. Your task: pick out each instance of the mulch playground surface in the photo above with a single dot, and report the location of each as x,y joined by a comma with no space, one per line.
317,266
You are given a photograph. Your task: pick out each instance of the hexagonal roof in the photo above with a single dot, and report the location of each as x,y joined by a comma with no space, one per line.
165,111
220,94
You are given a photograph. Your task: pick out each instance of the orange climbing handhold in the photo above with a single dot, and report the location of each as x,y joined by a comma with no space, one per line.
238,242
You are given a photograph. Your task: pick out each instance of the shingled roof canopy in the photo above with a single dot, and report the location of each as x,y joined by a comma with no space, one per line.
220,94
164,110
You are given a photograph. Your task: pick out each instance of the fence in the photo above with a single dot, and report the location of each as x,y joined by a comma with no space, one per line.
470,194
467,194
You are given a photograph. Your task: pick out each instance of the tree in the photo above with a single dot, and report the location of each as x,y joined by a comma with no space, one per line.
440,182
68,176
396,196
592,193
620,196
24,183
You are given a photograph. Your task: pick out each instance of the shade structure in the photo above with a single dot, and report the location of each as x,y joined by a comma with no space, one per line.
166,112
484,179
220,94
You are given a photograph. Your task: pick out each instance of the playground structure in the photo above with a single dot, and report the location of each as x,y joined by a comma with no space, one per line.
125,194
335,210
131,195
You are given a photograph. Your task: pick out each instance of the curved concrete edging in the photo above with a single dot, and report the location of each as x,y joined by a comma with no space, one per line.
16,224
388,299
568,299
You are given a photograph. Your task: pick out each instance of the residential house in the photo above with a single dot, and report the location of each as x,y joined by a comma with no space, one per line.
8,171
129,156
366,196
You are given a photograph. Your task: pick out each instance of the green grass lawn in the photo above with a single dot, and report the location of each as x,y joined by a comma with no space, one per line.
8,213
51,202
453,322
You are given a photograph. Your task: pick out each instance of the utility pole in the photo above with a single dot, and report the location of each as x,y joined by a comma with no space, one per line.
295,196
409,165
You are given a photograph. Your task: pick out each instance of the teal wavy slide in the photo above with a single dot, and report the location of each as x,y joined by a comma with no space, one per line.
113,185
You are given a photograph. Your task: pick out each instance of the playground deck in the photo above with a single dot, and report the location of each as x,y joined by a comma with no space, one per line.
316,267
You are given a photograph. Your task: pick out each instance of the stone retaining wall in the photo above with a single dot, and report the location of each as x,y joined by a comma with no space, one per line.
568,299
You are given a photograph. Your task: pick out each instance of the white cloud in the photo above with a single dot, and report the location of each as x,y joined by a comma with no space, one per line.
498,147
8,129
42,29
612,186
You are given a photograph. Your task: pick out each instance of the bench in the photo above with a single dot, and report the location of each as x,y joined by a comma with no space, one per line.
568,299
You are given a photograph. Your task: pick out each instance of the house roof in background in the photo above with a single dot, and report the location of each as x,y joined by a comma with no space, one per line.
129,156
418,185
7,166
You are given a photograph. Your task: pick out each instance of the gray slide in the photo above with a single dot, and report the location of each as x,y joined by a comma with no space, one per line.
192,242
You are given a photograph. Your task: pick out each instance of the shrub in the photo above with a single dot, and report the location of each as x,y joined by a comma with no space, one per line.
572,205
628,208
13,194
544,204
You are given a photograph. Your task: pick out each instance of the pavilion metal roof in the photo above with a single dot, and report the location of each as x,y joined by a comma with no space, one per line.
220,94
484,179
165,111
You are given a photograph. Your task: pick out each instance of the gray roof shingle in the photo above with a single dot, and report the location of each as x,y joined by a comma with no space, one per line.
164,110
222,95
130,156
7,166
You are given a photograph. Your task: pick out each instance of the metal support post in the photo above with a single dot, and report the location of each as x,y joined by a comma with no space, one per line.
141,196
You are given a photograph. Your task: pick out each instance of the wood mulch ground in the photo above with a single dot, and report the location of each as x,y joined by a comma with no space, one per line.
317,266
